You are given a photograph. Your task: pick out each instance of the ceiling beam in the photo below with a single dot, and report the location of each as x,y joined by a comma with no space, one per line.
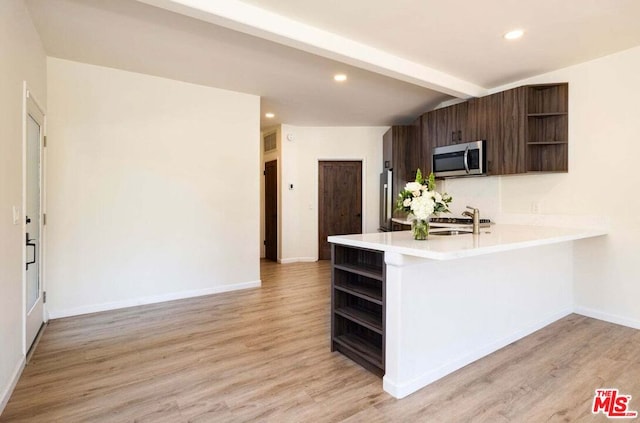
262,23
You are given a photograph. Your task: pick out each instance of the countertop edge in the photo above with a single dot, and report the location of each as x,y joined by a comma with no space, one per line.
470,252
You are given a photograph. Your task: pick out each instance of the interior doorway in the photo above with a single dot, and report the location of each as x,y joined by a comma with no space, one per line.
271,210
33,223
339,202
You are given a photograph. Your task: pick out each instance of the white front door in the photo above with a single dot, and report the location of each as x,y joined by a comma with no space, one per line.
33,222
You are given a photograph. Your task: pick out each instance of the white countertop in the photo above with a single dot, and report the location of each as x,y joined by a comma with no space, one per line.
497,238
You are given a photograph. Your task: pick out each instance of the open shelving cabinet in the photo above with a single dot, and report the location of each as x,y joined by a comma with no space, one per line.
547,131
358,305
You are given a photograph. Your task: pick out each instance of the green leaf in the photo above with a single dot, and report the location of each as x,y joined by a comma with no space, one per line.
419,177
432,182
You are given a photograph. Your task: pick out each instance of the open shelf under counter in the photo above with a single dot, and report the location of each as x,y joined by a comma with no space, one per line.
370,294
370,271
369,320
358,305
361,347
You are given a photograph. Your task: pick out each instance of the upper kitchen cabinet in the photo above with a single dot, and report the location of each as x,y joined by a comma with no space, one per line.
442,127
401,153
499,119
418,160
451,125
525,128
547,129
427,135
427,139
387,149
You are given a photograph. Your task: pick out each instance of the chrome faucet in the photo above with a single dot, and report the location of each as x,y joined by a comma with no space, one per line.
475,216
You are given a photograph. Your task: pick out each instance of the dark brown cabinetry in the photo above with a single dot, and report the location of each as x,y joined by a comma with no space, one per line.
427,141
525,128
402,154
547,132
446,126
499,119
451,126
358,305
442,127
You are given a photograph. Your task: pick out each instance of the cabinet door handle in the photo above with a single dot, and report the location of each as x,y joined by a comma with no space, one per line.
459,135
453,137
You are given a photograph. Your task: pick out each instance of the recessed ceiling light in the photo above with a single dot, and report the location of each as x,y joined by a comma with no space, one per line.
340,77
269,115
514,35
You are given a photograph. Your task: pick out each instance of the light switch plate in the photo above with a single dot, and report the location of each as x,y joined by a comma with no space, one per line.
535,207
16,215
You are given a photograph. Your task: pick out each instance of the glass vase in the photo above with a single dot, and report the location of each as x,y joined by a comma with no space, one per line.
420,229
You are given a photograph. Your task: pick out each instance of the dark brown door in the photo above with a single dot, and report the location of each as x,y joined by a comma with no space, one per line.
271,210
339,202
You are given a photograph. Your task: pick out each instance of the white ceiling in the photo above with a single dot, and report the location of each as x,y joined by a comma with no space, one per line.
464,38
402,57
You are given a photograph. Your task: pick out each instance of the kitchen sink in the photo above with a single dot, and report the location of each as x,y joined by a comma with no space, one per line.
450,232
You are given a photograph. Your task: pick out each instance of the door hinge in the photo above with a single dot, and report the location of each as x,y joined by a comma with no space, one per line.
264,172
44,296
264,242
44,142
44,219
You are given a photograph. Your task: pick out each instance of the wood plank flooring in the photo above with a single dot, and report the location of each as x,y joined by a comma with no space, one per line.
263,355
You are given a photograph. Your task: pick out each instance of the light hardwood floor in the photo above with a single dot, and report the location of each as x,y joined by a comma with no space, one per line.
263,355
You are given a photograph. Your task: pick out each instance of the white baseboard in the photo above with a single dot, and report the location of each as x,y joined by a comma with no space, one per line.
404,389
94,308
8,390
297,260
611,318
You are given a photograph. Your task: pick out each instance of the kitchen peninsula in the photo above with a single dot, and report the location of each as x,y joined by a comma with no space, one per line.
416,311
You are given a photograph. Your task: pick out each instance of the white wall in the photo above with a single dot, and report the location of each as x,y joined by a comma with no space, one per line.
153,189
602,181
482,193
22,58
299,210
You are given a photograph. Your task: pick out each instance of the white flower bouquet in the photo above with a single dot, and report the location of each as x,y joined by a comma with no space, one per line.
420,200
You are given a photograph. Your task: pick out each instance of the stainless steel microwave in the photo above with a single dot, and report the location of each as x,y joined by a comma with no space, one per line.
464,159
